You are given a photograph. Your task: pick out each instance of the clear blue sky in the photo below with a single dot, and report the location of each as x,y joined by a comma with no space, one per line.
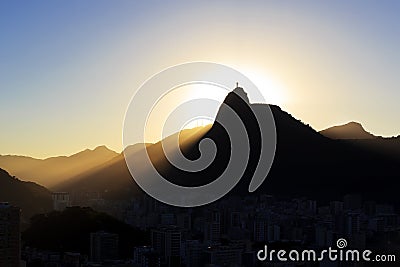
69,68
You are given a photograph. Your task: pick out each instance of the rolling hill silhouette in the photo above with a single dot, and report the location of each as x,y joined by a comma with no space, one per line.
354,133
51,171
306,163
351,130
112,179
30,197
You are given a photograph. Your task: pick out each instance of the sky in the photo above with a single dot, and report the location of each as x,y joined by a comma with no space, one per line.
68,69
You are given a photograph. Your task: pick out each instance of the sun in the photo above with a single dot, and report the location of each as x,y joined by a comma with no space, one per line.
169,113
204,91
271,89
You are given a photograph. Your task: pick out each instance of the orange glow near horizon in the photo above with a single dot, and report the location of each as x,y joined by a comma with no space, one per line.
64,90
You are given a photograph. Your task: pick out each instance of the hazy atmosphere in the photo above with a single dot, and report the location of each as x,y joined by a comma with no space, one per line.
68,69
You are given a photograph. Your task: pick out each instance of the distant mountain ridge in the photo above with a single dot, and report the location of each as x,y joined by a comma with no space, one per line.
112,179
351,130
355,134
307,163
52,171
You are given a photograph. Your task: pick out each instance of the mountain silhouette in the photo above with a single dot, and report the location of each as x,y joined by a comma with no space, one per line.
306,162
112,179
351,130
354,133
30,197
52,171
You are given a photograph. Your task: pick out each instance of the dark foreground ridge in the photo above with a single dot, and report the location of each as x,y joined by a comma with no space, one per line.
70,230
30,197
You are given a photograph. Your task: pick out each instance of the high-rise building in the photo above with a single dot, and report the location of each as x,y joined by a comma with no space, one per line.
352,224
167,219
167,242
235,220
72,259
184,220
212,228
145,256
370,208
336,207
103,246
10,235
61,200
230,255
260,230
194,251
274,232
321,235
